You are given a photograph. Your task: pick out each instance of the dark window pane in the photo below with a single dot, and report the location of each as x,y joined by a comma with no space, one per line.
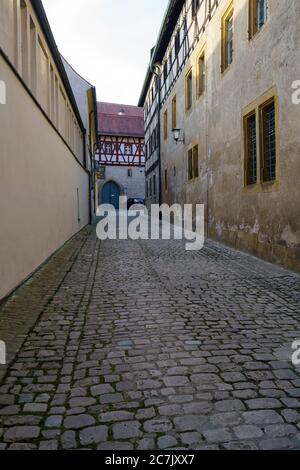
269,143
251,150
195,162
190,163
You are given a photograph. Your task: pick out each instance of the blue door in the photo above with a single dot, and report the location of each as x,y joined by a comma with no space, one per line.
110,194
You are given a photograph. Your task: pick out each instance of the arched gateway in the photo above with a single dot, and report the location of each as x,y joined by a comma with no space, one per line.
110,194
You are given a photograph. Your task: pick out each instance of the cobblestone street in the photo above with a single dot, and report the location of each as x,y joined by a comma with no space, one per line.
142,345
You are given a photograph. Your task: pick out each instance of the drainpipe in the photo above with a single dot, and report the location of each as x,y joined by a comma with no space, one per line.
84,164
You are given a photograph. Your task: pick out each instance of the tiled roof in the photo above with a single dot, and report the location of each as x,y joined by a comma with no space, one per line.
120,119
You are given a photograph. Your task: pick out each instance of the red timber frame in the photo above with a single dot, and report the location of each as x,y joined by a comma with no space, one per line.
121,151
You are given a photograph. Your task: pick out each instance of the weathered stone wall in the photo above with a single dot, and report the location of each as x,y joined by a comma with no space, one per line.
264,219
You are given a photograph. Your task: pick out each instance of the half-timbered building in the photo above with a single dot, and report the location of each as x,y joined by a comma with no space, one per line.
229,127
121,156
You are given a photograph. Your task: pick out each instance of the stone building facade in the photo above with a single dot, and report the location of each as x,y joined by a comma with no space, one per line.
227,79
44,177
152,138
120,156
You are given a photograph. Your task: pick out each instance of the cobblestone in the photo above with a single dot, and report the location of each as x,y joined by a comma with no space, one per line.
94,435
173,350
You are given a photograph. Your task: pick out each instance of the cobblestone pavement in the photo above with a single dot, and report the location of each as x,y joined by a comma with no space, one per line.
142,345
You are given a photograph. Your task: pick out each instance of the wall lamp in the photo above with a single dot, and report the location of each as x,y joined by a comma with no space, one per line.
176,135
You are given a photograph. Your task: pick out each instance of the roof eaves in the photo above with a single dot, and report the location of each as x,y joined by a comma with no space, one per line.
169,22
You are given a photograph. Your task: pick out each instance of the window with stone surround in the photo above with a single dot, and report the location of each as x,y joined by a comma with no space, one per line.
193,163
200,74
260,142
227,38
258,15
166,125
189,90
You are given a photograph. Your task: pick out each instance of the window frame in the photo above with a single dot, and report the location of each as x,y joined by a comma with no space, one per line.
201,78
174,112
254,28
263,158
166,124
189,90
264,185
229,13
177,43
193,169
247,144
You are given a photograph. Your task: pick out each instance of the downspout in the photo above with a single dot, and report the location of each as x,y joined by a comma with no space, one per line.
84,164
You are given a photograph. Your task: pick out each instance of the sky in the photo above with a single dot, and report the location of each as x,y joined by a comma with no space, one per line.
108,42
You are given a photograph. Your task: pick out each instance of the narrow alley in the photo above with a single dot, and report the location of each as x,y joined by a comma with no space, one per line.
142,345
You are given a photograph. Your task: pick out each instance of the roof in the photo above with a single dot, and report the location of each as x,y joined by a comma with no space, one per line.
167,28
79,86
120,120
43,20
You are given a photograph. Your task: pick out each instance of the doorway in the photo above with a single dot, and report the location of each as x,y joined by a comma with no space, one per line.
110,194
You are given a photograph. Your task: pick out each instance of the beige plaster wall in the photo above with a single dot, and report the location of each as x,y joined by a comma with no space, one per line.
39,179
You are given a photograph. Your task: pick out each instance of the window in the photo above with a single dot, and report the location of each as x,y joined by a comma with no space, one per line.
201,75
24,41
195,7
166,180
261,142
258,15
193,163
250,149
33,41
147,191
227,39
166,71
52,94
177,43
150,187
174,112
154,185
166,125
189,90
268,141
129,173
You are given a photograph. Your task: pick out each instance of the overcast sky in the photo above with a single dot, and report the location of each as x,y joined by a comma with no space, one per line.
108,41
